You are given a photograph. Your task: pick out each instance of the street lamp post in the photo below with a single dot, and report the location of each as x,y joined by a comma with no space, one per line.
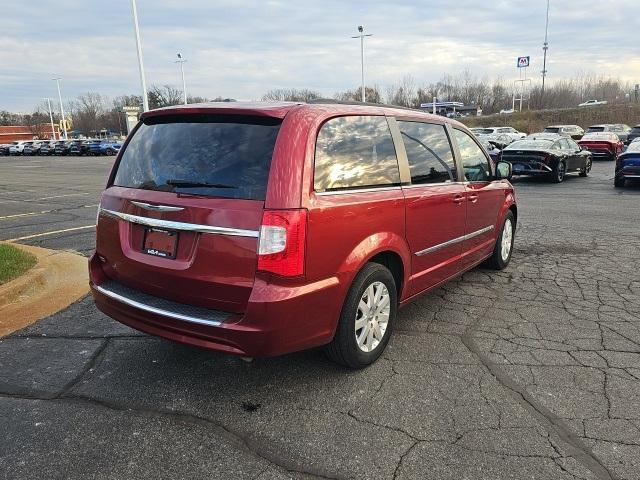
361,37
62,117
53,128
545,47
184,84
145,99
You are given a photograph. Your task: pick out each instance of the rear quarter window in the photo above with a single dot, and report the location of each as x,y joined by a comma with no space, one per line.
211,155
355,152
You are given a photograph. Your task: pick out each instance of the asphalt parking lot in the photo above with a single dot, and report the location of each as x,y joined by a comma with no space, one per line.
529,373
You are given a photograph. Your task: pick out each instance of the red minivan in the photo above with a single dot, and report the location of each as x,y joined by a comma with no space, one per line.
259,229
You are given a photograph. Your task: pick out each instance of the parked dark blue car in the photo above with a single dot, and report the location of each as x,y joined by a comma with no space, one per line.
109,147
628,164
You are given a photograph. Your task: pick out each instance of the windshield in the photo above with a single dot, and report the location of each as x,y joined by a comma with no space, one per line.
634,147
210,155
600,136
552,129
530,145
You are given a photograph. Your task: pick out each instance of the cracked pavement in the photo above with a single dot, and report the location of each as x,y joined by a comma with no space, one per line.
528,373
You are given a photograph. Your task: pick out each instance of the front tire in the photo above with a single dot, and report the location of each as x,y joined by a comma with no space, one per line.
587,168
503,248
367,318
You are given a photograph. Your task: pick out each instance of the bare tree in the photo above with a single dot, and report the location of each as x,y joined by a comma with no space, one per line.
164,96
86,111
291,95
403,93
371,94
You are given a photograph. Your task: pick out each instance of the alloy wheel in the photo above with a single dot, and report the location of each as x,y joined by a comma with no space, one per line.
372,316
507,240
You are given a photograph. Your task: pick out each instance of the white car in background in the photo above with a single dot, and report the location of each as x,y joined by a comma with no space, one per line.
17,148
592,103
492,133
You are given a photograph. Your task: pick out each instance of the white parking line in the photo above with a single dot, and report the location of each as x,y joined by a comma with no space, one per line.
43,212
67,195
27,237
30,214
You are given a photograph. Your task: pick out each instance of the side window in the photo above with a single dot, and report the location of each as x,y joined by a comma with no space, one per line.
573,145
474,161
355,152
564,144
428,151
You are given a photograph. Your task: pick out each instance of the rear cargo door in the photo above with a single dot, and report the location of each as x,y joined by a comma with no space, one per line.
181,216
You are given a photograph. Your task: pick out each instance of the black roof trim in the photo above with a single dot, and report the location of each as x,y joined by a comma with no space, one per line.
329,101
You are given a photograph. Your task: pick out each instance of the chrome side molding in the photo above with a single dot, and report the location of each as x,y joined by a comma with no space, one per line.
454,241
181,226
156,208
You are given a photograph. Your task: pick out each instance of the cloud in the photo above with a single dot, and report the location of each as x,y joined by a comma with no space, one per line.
242,48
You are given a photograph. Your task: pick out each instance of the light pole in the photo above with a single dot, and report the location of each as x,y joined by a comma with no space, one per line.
63,119
184,84
53,129
361,37
145,99
545,47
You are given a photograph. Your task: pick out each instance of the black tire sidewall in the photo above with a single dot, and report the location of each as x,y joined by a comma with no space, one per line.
497,260
370,273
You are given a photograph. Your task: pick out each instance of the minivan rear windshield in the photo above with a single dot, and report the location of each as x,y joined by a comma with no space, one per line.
226,156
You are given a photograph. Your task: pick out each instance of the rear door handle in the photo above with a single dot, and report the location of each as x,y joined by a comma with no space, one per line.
473,198
458,199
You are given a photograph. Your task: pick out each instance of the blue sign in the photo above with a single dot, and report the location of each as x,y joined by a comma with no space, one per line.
523,62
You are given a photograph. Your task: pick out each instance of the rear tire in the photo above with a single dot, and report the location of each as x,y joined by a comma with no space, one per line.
367,318
559,172
504,244
619,182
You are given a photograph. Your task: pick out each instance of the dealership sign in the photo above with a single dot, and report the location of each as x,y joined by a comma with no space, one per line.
523,62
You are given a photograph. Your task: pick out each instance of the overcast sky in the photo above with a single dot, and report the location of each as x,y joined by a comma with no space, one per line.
241,48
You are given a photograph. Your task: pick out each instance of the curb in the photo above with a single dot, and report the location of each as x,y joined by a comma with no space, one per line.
55,282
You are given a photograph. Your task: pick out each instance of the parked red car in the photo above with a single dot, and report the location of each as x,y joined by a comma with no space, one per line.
603,145
259,229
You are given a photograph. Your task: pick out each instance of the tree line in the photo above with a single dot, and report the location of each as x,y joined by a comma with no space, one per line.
92,112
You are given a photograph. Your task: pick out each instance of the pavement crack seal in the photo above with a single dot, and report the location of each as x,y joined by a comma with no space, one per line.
551,422
227,434
93,362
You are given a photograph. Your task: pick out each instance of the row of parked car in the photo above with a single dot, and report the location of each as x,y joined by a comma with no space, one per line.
88,146
563,149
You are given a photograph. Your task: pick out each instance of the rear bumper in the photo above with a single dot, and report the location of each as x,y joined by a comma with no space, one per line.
529,168
602,154
278,319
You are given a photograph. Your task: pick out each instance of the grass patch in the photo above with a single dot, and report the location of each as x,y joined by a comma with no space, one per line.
14,262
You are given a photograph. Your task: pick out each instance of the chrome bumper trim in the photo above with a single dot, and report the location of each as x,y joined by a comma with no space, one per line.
454,241
171,225
157,311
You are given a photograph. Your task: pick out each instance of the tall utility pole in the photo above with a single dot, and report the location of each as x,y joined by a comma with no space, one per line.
145,99
545,47
361,37
53,128
62,117
184,84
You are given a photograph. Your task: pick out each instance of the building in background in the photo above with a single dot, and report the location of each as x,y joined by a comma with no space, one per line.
14,133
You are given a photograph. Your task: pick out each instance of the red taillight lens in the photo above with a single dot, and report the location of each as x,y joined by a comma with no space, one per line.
281,247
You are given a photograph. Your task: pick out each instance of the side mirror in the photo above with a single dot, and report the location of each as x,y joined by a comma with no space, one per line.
503,171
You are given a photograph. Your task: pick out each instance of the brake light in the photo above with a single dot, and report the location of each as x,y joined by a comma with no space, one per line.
281,246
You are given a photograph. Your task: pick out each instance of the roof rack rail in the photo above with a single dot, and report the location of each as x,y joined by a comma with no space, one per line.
329,101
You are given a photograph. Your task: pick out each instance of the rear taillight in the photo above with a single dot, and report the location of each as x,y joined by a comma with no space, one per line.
281,247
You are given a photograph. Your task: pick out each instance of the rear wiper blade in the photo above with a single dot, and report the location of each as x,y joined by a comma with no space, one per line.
188,184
